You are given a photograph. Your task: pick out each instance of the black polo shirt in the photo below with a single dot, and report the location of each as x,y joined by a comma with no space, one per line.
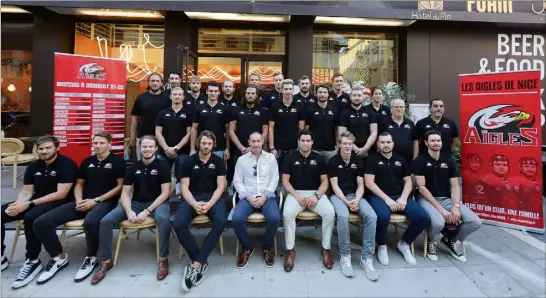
193,103
383,114
101,176
167,93
388,172
403,136
346,173
147,179
358,122
271,97
45,178
304,172
446,127
248,121
308,101
286,120
234,102
343,101
213,119
202,175
174,126
323,122
436,172
147,106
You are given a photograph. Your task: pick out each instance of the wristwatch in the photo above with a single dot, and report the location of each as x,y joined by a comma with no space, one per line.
97,200
31,203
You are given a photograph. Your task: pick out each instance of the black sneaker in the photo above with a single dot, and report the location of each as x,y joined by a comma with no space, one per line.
201,273
431,251
453,249
189,277
5,263
27,273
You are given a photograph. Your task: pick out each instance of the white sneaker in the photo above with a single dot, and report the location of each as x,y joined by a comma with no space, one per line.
404,248
86,269
53,266
371,273
27,273
382,255
432,252
346,267
5,263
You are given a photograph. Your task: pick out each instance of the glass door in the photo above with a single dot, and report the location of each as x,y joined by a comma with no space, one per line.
265,68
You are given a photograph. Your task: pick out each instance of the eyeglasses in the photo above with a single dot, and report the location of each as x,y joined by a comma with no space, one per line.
255,170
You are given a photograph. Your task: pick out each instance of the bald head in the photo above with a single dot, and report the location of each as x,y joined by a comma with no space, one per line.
398,108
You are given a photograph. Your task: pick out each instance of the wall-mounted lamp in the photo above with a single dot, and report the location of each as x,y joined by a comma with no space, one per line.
11,87
29,88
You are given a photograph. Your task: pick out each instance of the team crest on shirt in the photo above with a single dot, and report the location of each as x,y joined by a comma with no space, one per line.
353,166
407,126
108,166
257,113
188,103
53,174
340,167
182,115
138,172
428,126
446,125
91,166
153,172
344,100
272,97
313,162
352,116
383,112
241,112
280,111
212,166
380,163
311,100
196,167
365,115
330,113
397,163
38,174
429,164
201,102
219,111
167,115
443,165
316,113
330,98
293,110
390,126
296,163
204,111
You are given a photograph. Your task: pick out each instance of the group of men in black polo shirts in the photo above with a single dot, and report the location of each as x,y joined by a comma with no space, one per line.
200,133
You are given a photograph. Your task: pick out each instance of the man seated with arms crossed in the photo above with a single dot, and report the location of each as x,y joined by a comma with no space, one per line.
256,178
388,177
149,179
346,172
304,179
438,183
97,190
202,184
47,185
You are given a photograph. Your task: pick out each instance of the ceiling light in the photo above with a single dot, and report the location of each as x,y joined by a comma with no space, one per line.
30,89
362,21
12,9
237,16
11,87
120,13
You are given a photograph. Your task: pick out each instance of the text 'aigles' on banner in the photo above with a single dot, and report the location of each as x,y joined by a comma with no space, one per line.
501,147
89,97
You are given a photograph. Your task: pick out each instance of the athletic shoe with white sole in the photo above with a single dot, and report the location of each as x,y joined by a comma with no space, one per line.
5,263
346,266
201,273
53,266
27,273
432,252
189,277
453,249
404,248
382,255
86,269
371,273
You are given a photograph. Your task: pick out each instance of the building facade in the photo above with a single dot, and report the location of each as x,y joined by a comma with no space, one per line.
422,45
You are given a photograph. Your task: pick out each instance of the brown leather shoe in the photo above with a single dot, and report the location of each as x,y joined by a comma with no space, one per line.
289,260
243,258
269,257
327,259
163,268
101,273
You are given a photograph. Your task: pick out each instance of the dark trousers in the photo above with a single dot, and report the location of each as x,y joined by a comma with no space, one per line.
272,220
46,225
419,219
29,216
185,214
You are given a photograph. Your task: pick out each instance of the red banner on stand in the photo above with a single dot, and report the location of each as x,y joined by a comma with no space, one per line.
501,147
89,97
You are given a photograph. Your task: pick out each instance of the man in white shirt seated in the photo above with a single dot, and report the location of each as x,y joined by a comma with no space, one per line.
255,180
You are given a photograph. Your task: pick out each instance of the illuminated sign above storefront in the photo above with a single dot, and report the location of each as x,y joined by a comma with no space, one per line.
489,6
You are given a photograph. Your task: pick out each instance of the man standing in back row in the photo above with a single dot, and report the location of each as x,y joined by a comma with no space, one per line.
402,130
322,120
436,121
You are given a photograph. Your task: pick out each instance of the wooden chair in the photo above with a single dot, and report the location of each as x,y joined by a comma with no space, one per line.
75,225
19,231
256,218
11,155
426,244
395,220
149,224
202,220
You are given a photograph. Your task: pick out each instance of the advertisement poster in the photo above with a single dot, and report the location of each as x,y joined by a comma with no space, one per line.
501,147
89,97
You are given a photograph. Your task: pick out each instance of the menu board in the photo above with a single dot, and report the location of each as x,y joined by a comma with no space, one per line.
89,96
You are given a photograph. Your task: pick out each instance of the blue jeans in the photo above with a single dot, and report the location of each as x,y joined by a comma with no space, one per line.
177,161
181,224
272,220
419,219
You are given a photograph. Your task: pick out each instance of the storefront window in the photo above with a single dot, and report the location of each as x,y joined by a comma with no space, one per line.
16,78
368,57
241,41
